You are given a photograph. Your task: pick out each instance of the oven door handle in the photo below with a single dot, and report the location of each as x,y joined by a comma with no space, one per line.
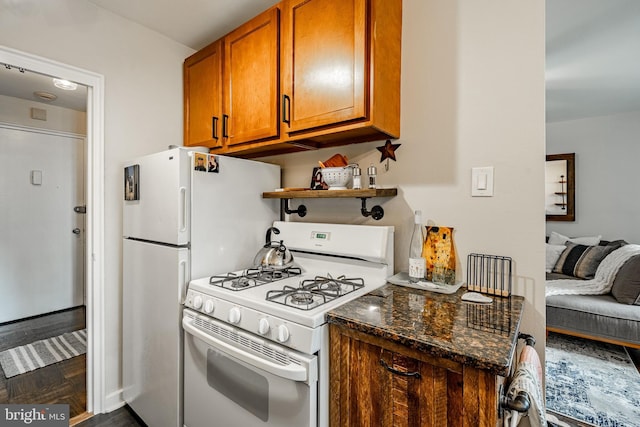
290,372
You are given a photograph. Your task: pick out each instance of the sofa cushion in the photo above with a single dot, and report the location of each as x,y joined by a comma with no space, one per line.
552,253
626,285
581,261
559,239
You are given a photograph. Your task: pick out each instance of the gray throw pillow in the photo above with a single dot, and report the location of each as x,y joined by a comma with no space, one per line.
581,261
626,285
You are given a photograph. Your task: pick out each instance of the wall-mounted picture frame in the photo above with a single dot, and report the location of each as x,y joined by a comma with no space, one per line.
560,183
132,183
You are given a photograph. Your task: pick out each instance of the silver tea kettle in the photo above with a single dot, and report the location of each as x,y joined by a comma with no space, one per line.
273,254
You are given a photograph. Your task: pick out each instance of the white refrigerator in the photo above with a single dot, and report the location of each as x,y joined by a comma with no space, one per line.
186,214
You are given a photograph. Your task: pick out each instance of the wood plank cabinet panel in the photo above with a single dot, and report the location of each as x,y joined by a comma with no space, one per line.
202,74
374,382
251,80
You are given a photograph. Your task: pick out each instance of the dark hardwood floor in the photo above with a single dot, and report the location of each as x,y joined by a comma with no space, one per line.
63,382
122,417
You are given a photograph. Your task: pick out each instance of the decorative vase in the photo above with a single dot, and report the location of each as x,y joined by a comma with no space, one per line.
440,253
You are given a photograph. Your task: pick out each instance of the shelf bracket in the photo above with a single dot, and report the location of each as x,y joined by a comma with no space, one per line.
301,210
376,212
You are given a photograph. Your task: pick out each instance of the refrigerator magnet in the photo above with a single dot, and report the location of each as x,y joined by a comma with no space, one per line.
131,182
213,165
200,161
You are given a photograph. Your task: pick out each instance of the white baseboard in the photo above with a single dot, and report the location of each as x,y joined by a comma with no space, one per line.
114,401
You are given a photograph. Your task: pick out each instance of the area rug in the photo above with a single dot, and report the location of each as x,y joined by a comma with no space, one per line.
593,382
39,354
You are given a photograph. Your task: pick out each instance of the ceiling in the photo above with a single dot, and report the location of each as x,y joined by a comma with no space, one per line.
193,23
592,61
23,83
592,58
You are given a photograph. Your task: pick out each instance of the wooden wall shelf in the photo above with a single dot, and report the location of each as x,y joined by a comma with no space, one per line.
330,194
376,212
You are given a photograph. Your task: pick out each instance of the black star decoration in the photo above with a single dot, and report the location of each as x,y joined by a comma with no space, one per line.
388,151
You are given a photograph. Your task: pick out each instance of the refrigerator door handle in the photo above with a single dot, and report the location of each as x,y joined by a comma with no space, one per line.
182,286
183,209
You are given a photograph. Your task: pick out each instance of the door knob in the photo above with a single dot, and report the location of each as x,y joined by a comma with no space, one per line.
76,231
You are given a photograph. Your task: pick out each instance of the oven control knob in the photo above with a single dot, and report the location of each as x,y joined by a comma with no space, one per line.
283,333
234,315
208,306
263,326
197,302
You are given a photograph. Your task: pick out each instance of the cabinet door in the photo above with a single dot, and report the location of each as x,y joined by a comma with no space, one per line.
203,97
251,80
325,62
373,386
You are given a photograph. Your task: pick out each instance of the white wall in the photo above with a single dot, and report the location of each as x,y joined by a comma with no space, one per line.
143,109
472,95
607,180
18,112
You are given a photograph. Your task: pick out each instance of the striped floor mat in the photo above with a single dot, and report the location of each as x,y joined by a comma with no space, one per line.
39,354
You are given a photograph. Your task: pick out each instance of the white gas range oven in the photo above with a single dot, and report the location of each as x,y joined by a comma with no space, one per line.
256,341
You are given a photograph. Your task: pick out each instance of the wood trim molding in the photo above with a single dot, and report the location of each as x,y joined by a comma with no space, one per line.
80,418
94,251
592,337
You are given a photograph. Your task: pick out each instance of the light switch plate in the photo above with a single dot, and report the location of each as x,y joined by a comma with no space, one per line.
482,181
36,177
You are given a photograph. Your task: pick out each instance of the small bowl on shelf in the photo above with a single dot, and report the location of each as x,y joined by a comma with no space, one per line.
339,178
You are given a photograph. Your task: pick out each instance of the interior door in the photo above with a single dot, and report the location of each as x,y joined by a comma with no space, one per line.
43,239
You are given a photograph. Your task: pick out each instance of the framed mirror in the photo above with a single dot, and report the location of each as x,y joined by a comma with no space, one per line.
560,187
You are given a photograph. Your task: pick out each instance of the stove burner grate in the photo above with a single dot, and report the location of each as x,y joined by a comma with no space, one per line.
252,277
272,274
302,297
312,293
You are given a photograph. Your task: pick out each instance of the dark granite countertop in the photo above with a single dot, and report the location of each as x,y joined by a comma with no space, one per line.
483,336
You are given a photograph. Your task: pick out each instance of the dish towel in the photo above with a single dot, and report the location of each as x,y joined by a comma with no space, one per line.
528,378
603,279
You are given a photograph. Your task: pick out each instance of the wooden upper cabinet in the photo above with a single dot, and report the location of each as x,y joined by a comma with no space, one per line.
341,70
324,61
202,73
251,80
325,73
